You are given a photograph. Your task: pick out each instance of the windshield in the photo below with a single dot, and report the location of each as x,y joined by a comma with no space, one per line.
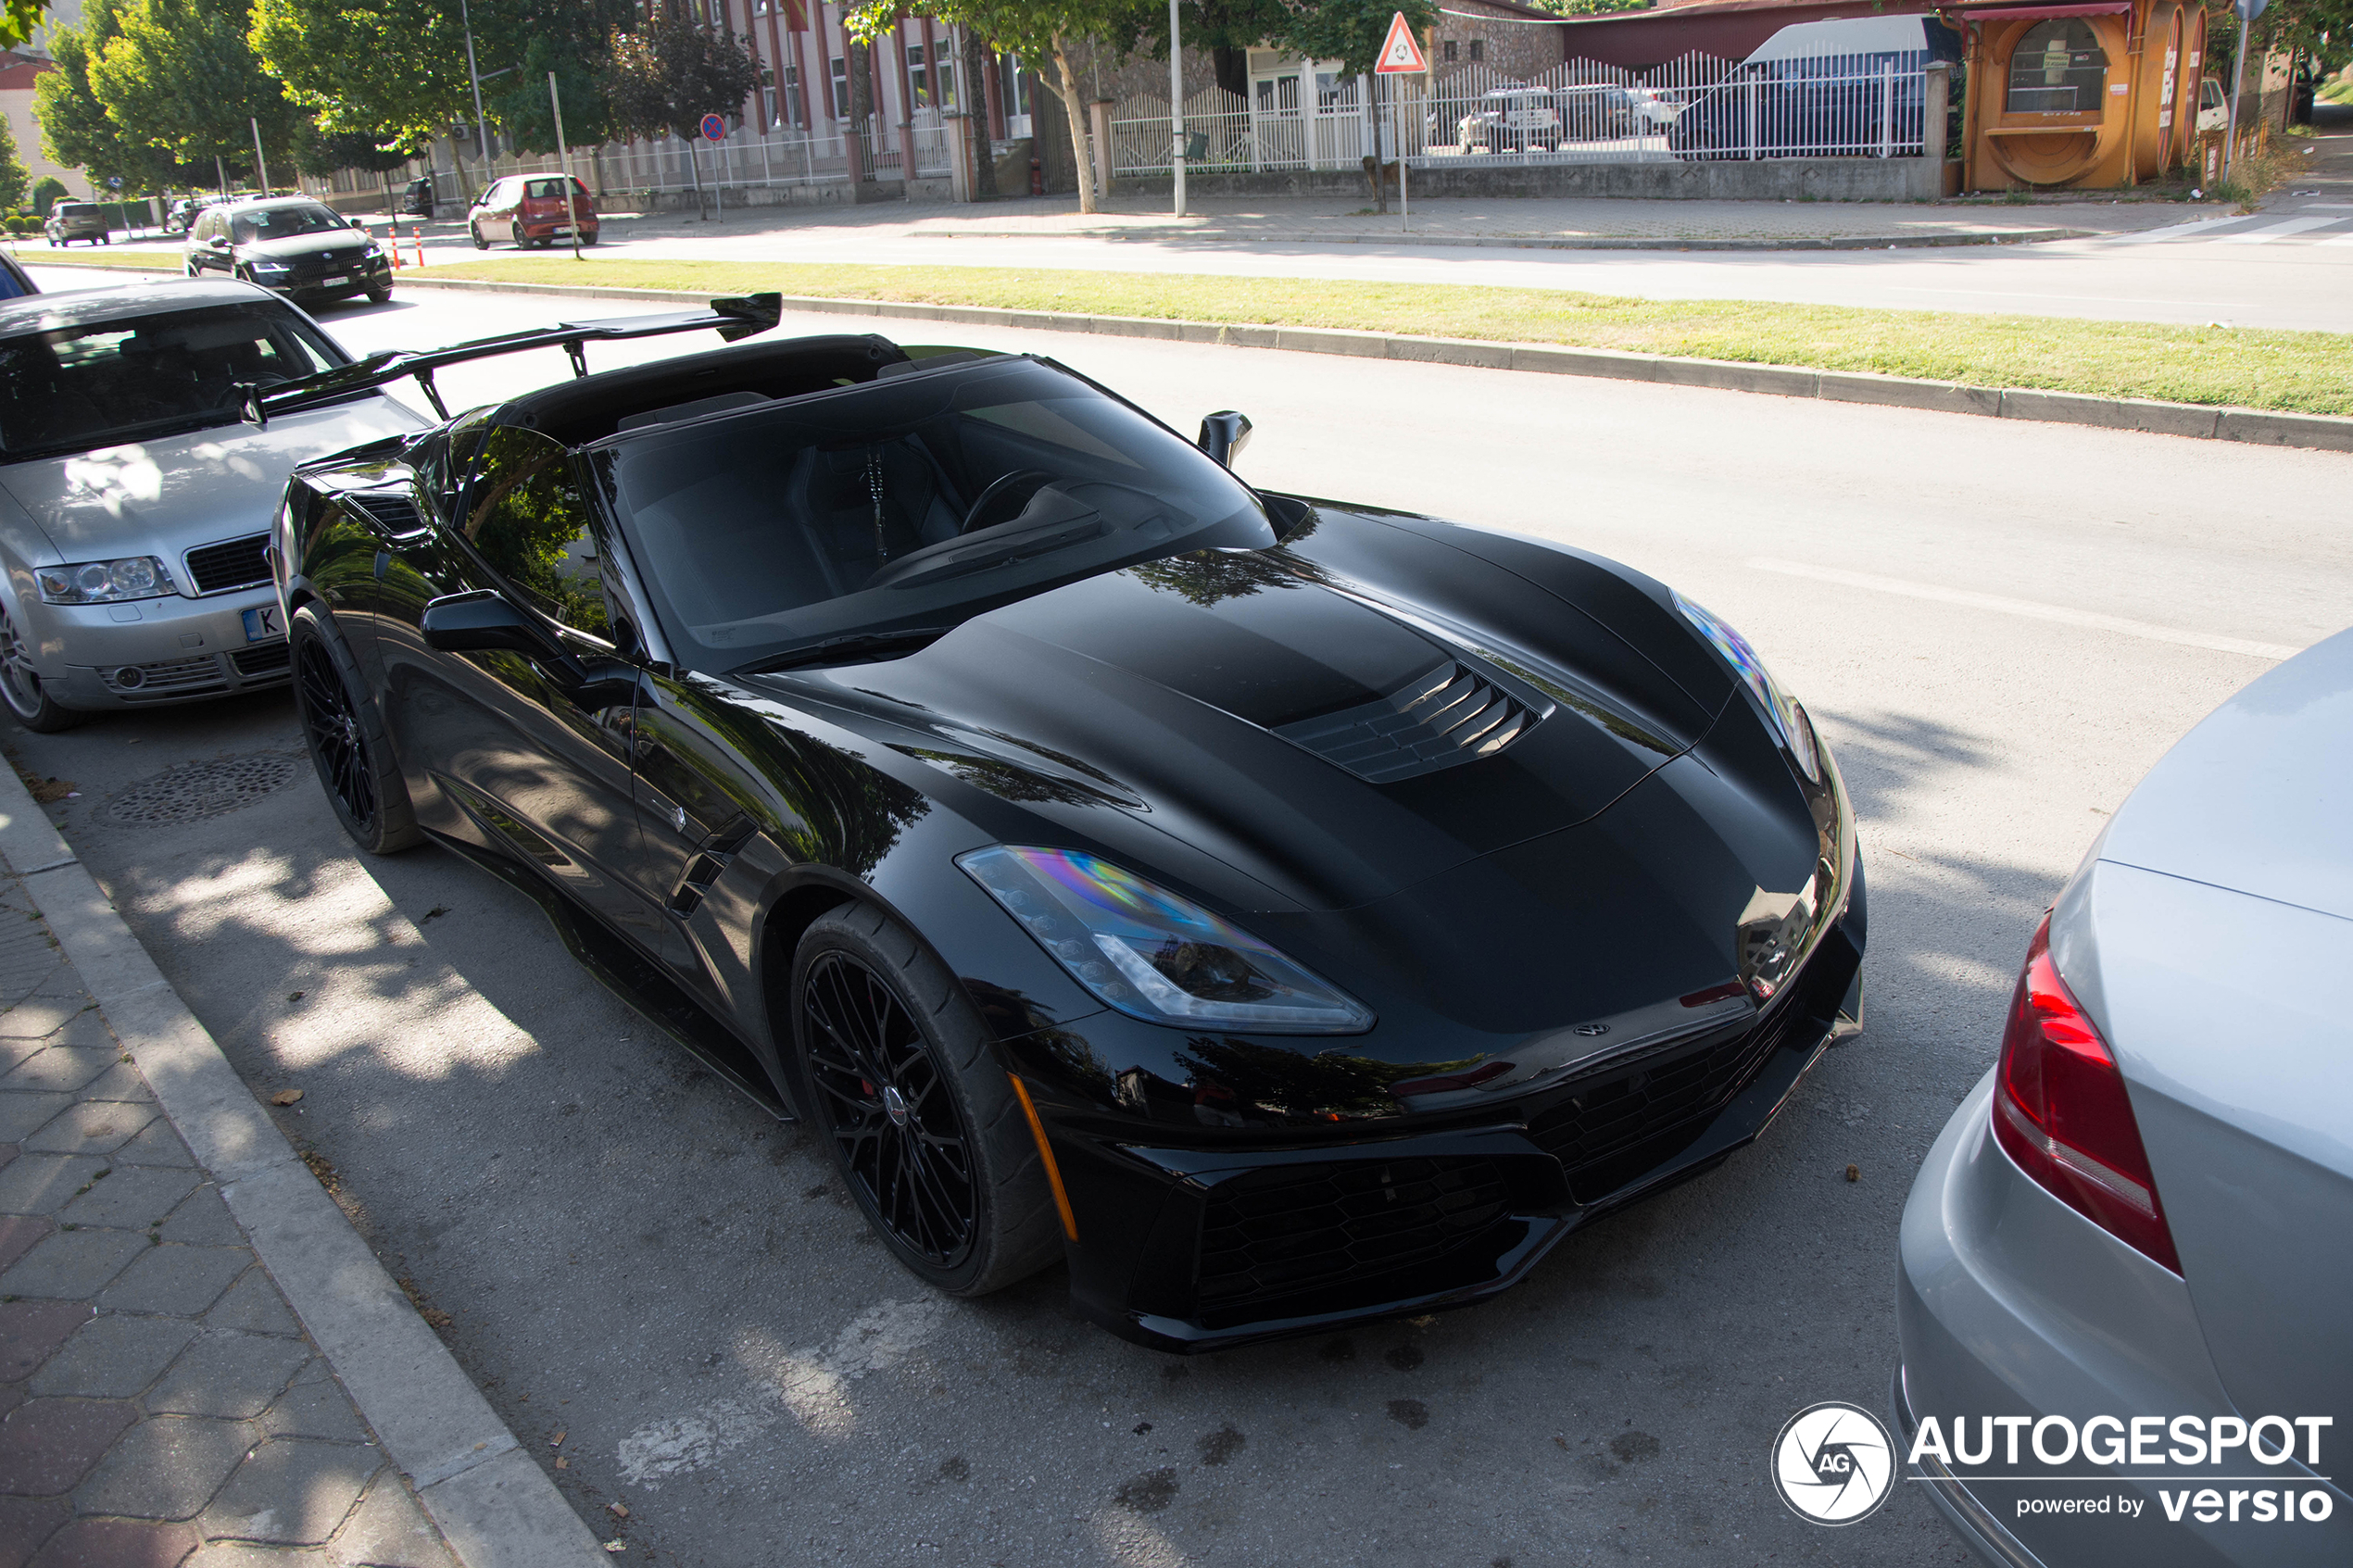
112,382
278,222
910,502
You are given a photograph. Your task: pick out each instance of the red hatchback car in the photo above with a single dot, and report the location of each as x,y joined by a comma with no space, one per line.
530,209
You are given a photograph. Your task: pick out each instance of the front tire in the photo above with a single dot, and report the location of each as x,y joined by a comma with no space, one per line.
476,230
345,736
896,1072
22,688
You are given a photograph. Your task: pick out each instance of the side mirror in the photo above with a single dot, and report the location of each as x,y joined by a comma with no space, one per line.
1223,434
359,225
217,242
483,621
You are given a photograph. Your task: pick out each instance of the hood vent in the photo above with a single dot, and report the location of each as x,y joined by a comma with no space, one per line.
1446,716
392,512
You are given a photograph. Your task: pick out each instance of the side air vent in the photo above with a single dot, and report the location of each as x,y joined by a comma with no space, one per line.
232,563
1444,716
392,512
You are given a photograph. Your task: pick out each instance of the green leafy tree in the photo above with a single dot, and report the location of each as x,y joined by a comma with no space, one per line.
1352,30
524,113
1036,31
13,176
48,193
181,79
20,19
670,72
394,67
321,153
76,129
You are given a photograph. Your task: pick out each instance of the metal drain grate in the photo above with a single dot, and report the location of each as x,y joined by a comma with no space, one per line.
197,790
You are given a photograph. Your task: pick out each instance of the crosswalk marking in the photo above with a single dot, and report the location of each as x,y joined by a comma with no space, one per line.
2172,231
2280,230
2345,239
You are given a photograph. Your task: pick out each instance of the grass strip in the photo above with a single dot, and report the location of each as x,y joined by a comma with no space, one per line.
2300,372
97,255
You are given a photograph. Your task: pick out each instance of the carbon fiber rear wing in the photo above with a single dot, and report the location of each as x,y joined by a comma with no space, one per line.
731,319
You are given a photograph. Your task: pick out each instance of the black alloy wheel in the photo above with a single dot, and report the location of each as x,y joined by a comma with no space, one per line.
897,1072
345,739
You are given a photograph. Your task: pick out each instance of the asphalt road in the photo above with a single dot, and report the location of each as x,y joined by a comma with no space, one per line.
1999,625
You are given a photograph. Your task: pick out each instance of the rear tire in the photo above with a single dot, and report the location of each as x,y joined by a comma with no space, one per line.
947,1175
20,686
515,229
345,736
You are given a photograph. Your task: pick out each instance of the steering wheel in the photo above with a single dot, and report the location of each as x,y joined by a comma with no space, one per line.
995,496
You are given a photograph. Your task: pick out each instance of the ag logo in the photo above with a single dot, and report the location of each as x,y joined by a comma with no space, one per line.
1833,1464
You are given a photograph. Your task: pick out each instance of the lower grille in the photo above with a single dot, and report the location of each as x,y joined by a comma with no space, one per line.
1613,1114
269,659
170,677
232,563
1289,1229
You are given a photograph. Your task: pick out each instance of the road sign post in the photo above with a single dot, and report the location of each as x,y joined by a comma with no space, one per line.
714,130
1401,54
2248,11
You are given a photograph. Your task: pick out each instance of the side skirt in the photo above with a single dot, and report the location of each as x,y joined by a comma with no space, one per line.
635,979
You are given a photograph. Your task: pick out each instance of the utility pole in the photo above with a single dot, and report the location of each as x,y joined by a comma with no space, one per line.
2247,10
261,162
1176,105
563,159
482,126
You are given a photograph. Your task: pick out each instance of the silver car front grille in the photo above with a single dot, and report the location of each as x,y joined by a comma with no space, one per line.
231,563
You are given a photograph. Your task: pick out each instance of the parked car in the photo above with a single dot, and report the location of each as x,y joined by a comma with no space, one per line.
69,221
1815,89
1541,118
15,283
416,200
289,245
2213,105
2139,1215
531,209
135,503
1107,862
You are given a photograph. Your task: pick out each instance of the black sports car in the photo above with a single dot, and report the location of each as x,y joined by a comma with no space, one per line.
1282,911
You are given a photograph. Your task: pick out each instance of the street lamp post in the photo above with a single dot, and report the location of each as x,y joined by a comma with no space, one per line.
482,126
1176,105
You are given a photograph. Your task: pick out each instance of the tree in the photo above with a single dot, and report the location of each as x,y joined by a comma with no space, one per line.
1036,29
391,66
48,193
522,110
321,153
671,71
13,176
19,19
181,79
76,130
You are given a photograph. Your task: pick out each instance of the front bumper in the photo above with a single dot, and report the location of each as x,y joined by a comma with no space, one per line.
1222,1243
369,276
2009,1303
176,650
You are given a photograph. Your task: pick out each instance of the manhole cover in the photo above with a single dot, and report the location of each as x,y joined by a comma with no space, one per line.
197,790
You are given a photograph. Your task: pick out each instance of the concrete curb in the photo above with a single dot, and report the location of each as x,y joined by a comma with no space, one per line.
494,1507
2326,433
1532,242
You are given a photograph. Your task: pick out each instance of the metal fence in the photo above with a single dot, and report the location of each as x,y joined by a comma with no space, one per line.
1696,107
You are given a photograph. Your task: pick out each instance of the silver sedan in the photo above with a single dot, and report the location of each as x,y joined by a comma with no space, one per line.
135,502
2126,1278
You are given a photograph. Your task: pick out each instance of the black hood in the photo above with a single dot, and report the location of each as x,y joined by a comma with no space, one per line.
1333,746
341,243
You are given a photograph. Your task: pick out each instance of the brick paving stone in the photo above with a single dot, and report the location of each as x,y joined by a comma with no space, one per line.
47,1446
157,1145
14,1050
389,1531
165,1468
86,1030
229,1374
19,1232
43,1183
291,1492
244,1554
131,1198
73,1265
25,1523
90,1127
119,1082
116,1543
180,1280
24,1112
31,1331
60,1067
253,1304
315,1407
113,1358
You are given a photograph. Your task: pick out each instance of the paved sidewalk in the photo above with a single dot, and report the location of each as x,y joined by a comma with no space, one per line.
159,1404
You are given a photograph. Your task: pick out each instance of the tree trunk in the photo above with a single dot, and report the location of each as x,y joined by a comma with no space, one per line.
862,108
976,65
1067,89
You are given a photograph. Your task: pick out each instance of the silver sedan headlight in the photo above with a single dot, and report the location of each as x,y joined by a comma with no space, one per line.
106,582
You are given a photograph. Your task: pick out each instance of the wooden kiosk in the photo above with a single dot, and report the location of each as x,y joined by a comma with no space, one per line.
2088,96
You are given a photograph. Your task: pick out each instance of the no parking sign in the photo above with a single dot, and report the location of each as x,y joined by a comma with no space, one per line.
715,128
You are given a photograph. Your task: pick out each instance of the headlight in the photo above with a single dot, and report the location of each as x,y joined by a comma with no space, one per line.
1153,955
265,266
106,582
1788,719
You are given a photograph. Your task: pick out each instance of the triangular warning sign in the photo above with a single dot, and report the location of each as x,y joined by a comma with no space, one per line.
1400,55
